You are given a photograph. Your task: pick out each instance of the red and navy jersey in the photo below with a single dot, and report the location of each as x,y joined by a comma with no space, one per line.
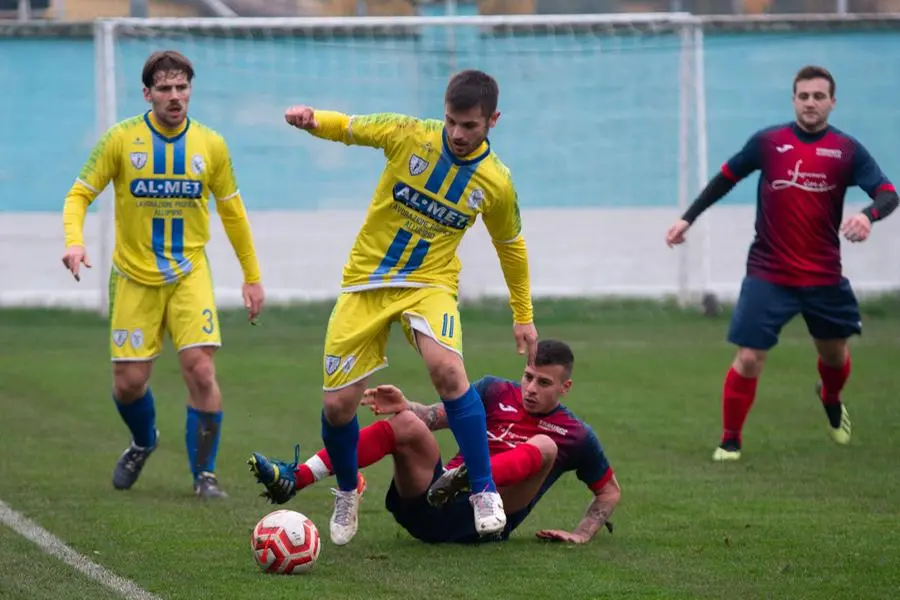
508,425
800,200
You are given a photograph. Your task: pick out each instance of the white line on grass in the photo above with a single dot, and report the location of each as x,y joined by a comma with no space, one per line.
55,547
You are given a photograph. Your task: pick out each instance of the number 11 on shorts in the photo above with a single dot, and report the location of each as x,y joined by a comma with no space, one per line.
447,325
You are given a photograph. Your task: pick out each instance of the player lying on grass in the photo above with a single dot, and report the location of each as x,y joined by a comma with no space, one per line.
164,166
794,263
438,178
533,439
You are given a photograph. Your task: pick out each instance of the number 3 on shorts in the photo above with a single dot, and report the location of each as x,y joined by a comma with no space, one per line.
209,327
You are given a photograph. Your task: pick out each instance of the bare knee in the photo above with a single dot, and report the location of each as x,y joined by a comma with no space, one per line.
408,428
749,362
340,405
445,367
199,371
547,447
130,380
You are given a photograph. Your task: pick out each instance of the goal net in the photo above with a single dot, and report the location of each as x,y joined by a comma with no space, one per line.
601,126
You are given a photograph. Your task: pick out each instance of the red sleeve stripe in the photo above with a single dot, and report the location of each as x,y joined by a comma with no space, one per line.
886,187
598,485
727,172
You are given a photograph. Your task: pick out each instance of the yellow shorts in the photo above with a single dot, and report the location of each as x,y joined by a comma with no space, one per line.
360,323
139,314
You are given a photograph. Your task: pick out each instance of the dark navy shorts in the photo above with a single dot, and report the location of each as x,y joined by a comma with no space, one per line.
763,308
453,523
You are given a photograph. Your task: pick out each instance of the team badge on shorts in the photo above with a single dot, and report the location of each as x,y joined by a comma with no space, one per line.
119,336
332,363
417,165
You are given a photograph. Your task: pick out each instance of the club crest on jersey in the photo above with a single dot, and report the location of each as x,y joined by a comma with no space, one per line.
138,160
476,199
417,165
197,164
332,363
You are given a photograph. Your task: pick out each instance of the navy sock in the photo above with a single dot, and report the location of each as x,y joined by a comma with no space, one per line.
140,416
469,426
341,441
201,437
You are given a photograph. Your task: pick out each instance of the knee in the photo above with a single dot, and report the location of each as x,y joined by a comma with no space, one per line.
340,406
200,371
408,428
749,362
449,377
547,447
129,381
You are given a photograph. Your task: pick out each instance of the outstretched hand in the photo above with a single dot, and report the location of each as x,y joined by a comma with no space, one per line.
301,117
385,400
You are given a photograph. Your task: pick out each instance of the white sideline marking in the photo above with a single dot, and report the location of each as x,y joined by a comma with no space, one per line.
55,547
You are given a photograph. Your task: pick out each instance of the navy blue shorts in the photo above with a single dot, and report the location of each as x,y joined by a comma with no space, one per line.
763,308
453,523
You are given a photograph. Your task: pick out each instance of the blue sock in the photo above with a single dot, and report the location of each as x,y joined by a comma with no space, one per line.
140,416
469,426
341,442
201,436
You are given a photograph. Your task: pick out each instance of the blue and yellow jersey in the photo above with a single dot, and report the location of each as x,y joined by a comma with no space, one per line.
163,180
425,201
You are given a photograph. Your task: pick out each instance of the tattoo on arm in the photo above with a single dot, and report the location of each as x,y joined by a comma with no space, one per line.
434,416
600,509
596,516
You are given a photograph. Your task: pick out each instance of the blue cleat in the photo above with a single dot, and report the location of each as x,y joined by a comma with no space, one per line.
277,476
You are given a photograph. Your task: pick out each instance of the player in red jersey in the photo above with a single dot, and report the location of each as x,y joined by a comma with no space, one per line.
533,440
794,264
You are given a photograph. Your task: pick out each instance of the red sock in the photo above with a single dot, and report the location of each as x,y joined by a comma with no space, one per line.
516,465
375,442
833,380
737,398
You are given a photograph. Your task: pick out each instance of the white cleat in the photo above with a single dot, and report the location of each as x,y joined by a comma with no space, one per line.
490,518
345,518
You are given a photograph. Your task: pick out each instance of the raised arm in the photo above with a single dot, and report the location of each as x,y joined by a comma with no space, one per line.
390,400
379,130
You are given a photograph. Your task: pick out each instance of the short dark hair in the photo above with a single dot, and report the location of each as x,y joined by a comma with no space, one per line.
815,72
554,352
165,61
470,88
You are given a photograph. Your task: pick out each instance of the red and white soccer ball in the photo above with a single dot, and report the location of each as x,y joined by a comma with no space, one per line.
285,542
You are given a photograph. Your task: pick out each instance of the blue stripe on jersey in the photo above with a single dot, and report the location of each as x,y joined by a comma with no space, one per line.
459,183
159,155
439,174
415,258
178,246
392,257
179,158
159,249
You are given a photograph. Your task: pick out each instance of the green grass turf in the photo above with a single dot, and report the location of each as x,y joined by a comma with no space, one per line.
797,517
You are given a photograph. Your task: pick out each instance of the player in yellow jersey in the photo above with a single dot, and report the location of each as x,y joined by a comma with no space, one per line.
164,166
439,177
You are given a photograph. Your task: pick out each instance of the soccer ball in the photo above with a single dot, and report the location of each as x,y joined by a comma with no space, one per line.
285,542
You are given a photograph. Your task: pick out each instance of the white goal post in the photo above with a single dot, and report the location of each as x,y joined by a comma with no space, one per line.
603,123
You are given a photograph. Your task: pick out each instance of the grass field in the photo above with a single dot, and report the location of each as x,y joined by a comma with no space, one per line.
797,517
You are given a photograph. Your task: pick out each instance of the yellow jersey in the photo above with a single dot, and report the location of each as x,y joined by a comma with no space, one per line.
425,201
163,180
